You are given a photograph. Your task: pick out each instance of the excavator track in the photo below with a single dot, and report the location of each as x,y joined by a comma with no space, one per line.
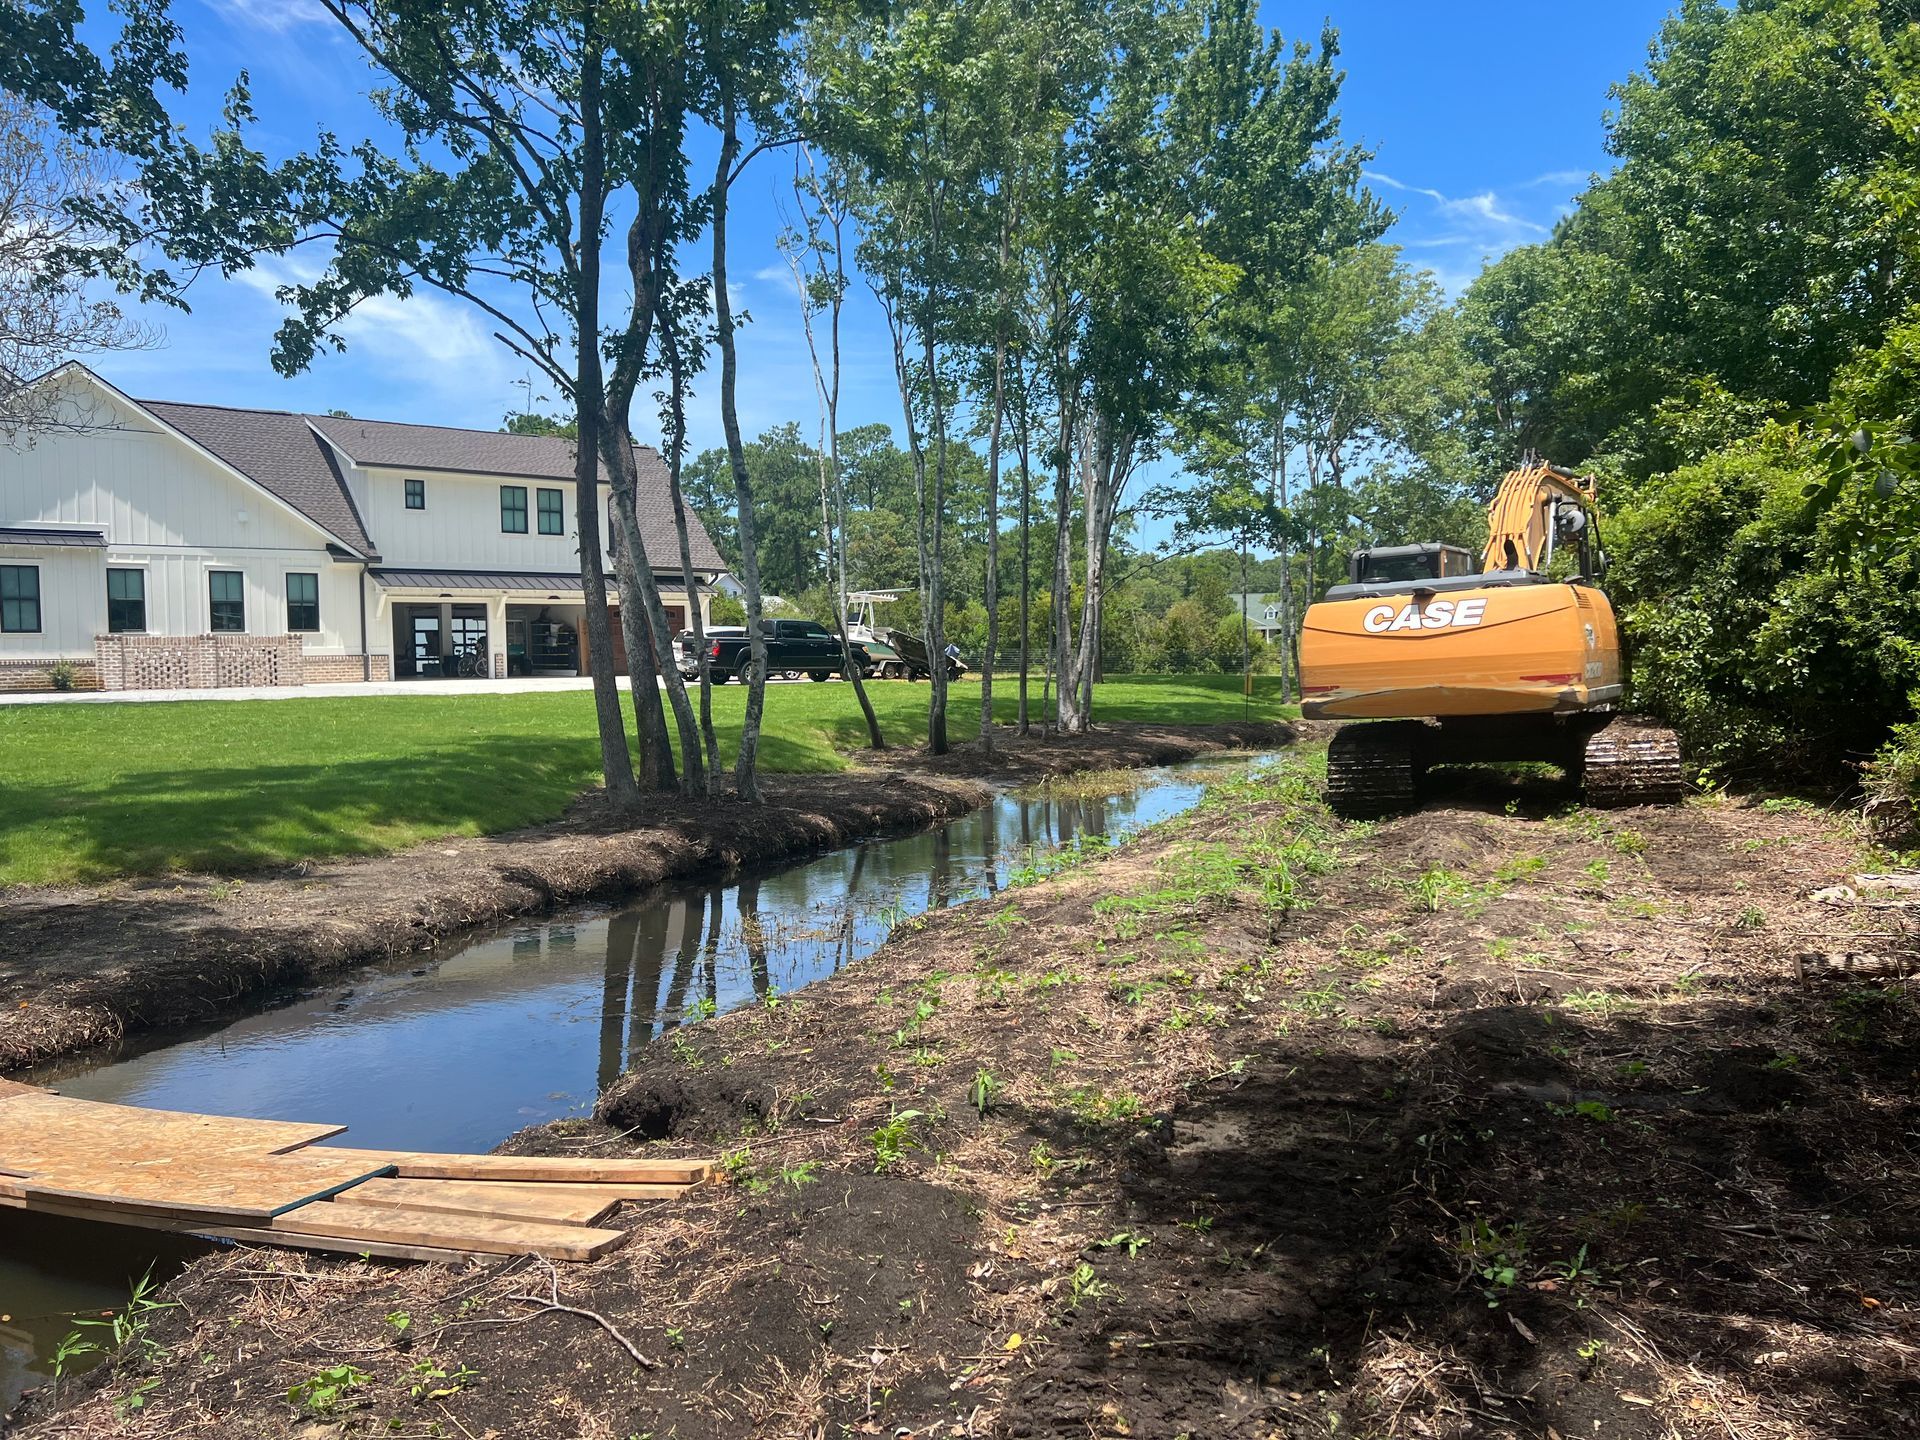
1374,770
1632,766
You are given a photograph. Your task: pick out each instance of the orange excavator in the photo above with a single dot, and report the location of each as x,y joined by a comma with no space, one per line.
1502,663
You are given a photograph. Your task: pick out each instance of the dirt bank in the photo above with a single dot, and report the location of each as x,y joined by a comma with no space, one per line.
80,967
1495,1120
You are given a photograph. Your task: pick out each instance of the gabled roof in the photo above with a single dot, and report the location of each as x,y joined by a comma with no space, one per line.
392,444
293,457
279,452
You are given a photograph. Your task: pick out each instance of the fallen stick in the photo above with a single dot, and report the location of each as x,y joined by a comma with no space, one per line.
553,1303
1814,964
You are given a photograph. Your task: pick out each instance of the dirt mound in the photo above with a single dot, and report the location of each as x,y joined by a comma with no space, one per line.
663,1105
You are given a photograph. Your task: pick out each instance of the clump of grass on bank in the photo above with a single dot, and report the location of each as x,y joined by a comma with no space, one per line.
93,792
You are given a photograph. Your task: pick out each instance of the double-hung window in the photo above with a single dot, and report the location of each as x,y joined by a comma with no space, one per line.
303,601
416,494
20,599
553,513
126,601
226,601
513,509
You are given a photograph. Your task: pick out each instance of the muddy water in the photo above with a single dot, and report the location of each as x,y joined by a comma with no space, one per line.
457,1051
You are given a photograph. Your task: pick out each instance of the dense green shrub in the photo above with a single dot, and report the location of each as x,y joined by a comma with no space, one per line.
1758,625
1892,781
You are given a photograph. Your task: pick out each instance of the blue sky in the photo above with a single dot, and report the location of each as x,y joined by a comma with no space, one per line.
1485,117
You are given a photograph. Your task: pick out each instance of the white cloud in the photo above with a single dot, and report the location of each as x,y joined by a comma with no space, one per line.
775,275
427,339
274,15
1558,179
1460,233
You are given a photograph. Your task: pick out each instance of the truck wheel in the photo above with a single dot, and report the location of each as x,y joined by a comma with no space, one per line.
745,673
818,675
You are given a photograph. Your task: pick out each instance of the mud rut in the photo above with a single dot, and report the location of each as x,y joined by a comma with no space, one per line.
1511,1121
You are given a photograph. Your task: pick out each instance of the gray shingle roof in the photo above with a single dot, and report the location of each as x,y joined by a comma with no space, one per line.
440,447
280,451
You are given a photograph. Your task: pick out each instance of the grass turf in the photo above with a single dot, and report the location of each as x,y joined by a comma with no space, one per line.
94,792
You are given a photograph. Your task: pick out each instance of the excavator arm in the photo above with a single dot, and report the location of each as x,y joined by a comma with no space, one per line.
1534,504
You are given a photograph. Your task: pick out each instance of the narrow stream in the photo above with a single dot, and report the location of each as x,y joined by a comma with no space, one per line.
456,1050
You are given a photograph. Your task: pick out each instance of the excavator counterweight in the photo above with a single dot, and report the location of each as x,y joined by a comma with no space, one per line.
1504,663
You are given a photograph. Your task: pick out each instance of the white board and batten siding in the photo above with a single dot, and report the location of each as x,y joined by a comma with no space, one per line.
151,491
460,527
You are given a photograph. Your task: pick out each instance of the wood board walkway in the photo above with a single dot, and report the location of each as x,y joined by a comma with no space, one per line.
270,1182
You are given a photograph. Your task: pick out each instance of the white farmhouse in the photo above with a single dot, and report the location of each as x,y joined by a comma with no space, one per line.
161,545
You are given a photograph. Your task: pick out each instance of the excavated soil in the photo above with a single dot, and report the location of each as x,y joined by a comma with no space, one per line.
81,967
1503,1119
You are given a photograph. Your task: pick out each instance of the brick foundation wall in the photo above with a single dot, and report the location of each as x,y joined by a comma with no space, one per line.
198,662
346,669
19,677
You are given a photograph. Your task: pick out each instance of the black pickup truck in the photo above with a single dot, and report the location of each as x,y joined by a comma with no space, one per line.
806,646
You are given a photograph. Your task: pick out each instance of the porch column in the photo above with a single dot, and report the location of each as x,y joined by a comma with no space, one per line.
497,636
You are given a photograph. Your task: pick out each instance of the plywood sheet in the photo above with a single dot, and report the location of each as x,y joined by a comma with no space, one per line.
203,1187
42,1132
396,1225
334,1244
417,1165
562,1204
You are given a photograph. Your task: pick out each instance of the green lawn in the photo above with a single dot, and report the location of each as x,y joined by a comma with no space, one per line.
89,792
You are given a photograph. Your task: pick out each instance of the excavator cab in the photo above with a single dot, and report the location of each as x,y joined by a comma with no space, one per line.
1390,564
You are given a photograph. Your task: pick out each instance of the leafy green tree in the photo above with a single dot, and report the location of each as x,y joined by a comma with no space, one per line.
1755,234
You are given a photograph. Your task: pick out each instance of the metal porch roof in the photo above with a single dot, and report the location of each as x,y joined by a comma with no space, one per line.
86,538
487,581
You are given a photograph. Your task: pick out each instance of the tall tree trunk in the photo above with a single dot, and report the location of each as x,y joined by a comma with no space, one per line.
1067,698
656,760
993,489
656,634
1026,554
745,769
833,490
589,404
917,453
676,456
933,618
1278,497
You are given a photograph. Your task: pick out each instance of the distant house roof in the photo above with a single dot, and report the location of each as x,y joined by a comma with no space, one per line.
286,454
1259,608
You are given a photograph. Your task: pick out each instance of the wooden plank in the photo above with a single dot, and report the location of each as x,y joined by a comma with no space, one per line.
396,1225
208,1189
247,1234
535,1169
10,1088
562,1203
42,1132
334,1245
